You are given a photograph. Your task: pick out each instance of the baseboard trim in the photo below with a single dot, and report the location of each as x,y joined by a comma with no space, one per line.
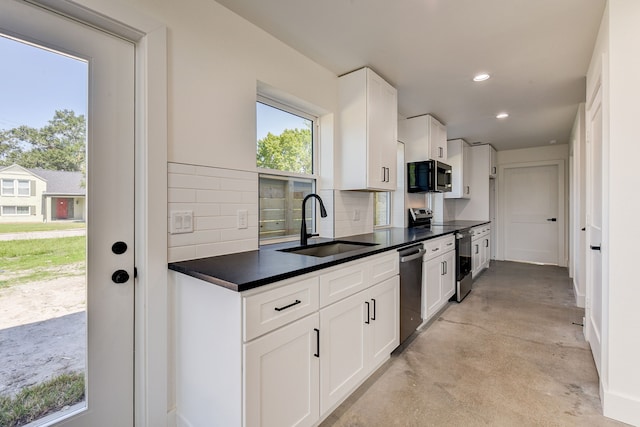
621,407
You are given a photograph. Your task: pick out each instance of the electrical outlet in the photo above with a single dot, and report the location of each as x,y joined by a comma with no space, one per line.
181,222
242,218
356,214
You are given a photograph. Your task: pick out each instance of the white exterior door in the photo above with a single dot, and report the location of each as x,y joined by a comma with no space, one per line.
534,213
594,293
109,174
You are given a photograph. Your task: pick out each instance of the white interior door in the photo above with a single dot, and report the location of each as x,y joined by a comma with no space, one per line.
594,293
534,213
109,172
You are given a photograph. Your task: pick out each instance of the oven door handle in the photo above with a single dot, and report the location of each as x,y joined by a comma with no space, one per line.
413,256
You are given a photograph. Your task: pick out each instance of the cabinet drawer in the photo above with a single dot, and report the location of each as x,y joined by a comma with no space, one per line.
448,244
384,267
266,311
343,282
433,248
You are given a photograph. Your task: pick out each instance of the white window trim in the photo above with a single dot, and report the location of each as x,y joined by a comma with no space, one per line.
389,223
2,187
315,165
17,184
315,137
16,210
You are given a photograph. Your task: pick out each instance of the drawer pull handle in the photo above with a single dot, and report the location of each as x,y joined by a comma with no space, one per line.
368,321
374,309
317,353
296,302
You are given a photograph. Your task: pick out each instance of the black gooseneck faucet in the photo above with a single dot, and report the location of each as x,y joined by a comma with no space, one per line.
303,227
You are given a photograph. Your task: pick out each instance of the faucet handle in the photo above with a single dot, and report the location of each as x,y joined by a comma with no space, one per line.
312,235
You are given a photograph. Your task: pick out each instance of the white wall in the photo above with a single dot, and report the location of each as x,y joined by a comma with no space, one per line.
621,345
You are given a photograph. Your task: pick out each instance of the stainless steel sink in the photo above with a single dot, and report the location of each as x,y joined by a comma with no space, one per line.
327,249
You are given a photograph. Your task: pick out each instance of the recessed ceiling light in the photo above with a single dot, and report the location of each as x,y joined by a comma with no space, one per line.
502,116
553,141
481,77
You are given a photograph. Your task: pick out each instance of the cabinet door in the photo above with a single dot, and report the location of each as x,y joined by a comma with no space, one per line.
493,163
432,291
381,133
486,250
449,277
476,263
466,172
438,141
281,376
342,348
384,330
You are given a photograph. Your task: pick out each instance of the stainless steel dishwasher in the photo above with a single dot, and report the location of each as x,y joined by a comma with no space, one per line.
410,289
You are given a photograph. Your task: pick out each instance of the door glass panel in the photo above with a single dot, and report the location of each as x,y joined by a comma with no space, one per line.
43,291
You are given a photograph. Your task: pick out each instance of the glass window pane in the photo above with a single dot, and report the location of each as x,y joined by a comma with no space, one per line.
24,188
7,187
284,140
8,210
23,210
381,207
281,205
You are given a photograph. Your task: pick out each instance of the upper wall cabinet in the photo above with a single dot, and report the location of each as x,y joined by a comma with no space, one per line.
368,130
459,157
493,163
424,137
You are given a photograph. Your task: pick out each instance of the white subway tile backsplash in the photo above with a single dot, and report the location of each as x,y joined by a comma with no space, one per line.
214,195
181,168
193,181
181,195
219,196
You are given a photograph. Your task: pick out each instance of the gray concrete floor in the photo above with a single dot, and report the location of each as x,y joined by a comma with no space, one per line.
509,355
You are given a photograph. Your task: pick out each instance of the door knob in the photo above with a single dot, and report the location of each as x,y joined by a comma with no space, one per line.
119,248
552,219
120,276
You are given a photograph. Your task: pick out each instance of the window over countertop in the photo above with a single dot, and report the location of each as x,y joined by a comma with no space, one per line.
286,161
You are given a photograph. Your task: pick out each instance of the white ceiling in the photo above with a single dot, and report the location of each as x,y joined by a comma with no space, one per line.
537,52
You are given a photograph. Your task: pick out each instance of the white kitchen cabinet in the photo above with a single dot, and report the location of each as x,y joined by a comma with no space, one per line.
357,334
458,153
493,162
438,275
424,137
287,353
368,115
480,249
282,374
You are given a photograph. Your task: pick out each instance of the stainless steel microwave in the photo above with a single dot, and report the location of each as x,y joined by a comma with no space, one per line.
428,176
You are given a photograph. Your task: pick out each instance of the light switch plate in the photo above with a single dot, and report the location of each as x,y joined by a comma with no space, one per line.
243,220
181,222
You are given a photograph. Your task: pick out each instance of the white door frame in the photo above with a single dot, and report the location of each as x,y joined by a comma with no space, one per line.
151,303
562,244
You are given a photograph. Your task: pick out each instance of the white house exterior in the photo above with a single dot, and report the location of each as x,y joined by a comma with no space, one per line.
38,195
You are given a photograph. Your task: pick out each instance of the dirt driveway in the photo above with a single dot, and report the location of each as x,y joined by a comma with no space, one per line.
42,331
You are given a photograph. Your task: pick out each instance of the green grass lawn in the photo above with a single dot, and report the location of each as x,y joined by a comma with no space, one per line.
20,227
24,261
34,402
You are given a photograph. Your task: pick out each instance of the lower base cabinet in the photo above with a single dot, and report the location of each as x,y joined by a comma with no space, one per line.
286,354
281,376
357,334
480,249
438,275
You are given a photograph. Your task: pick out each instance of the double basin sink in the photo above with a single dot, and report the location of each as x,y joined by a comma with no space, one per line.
334,247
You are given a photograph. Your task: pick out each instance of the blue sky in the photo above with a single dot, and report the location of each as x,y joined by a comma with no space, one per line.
35,82
275,121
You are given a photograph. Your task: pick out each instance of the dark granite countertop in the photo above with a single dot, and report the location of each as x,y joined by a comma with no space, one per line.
247,270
